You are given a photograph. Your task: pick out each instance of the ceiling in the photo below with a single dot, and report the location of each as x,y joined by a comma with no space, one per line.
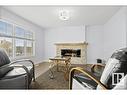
47,16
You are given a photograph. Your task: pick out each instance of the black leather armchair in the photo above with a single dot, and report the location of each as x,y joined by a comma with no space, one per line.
17,74
117,64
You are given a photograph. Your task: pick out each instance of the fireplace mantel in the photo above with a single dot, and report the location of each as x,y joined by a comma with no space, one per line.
83,43
74,46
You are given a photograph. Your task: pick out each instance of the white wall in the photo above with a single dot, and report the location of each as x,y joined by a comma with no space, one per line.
102,39
115,33
94,37
62,34
39,34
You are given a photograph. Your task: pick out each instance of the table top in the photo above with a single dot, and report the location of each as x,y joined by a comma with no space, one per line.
59,58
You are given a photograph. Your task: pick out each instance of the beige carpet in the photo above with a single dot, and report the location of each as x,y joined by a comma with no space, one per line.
45,82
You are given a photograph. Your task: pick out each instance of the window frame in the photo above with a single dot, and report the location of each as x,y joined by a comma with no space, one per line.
14,37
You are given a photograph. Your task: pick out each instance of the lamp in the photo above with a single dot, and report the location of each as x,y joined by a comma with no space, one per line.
64,14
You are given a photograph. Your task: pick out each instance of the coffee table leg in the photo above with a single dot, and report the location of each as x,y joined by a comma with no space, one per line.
57,68
66,73
57,62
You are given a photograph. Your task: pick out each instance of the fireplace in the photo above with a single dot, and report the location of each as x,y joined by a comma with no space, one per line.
77,51
71,52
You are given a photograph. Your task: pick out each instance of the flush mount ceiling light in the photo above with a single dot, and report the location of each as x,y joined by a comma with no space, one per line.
64,15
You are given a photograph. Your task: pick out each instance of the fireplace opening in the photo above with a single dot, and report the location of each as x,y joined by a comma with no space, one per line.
71,52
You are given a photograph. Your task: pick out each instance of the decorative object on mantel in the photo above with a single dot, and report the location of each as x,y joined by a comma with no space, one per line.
77,51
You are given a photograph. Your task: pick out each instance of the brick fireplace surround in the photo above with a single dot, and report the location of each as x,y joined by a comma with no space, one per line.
74,46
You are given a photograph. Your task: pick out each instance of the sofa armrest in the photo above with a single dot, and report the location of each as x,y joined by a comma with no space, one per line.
23,60
16,76
94,65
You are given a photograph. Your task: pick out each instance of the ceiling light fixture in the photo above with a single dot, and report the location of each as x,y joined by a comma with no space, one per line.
64,14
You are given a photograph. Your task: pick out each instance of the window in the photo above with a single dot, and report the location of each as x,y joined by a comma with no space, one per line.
6,29
6,43
16,40
19,44
29,35
29,48
19,32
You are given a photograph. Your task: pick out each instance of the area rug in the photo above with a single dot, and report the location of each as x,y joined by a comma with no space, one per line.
44,81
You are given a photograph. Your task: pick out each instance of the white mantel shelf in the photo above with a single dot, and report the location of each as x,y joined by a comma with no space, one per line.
83,43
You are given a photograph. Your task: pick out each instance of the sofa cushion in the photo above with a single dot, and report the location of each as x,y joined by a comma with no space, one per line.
4,59
116,64
5,70
107,73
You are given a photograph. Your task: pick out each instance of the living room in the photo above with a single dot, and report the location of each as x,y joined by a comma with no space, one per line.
82,33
